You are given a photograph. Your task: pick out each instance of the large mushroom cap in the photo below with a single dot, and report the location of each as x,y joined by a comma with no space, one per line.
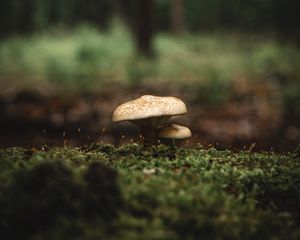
149,106
174,131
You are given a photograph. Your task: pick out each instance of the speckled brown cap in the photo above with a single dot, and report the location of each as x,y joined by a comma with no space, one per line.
174,131
149,106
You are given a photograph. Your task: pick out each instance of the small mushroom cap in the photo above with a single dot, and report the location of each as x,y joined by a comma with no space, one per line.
149,106
174,131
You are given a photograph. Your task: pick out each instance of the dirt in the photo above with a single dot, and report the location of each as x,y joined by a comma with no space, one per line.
253,116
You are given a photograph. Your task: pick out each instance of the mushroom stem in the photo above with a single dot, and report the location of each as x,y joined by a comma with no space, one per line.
149,135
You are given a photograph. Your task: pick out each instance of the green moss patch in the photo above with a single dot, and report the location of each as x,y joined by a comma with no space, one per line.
102,192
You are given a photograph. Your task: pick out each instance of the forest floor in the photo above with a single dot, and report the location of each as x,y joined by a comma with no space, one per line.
251,114
60,88
156,193
237,177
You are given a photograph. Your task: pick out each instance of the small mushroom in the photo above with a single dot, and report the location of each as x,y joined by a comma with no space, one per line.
174,132
149,113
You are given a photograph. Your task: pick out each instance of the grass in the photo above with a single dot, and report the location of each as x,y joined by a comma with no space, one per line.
87,59
78,59
100,191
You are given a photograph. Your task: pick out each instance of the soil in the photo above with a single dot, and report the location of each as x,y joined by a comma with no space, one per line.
253,116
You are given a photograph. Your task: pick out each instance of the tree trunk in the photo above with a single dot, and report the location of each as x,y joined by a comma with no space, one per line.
144,29
177,16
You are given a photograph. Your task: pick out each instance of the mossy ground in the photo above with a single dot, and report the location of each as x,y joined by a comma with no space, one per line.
102,192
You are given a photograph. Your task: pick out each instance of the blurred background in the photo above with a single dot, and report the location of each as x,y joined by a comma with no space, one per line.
65,65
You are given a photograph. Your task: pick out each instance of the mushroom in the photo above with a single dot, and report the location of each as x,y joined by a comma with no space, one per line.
174,132
149,113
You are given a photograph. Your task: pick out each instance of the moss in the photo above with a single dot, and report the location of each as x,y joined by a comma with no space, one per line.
98,190
51,198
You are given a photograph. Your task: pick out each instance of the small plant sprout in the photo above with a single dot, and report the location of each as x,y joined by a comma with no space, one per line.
174,132
150,113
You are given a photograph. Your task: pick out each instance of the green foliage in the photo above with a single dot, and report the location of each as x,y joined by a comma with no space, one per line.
246,15
74,60
188,194
200,15
88,59
38,15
